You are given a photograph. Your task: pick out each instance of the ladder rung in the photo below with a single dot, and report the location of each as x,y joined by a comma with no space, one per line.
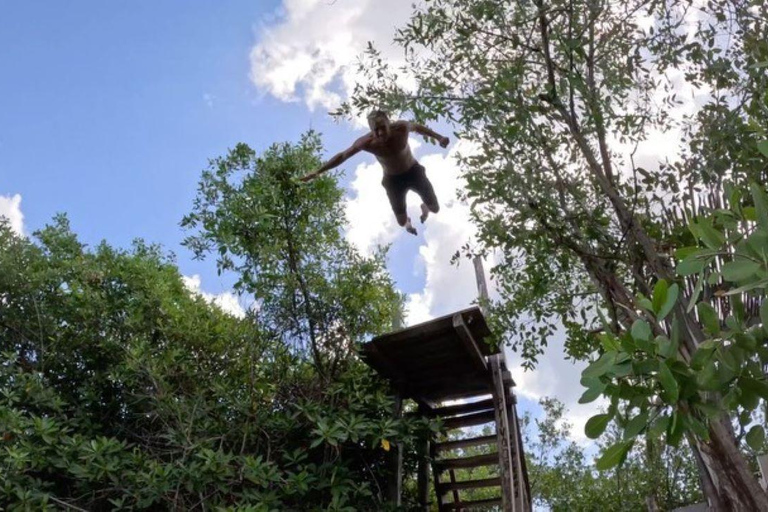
470,420
452,410
470,484
487,459
469,505
464,443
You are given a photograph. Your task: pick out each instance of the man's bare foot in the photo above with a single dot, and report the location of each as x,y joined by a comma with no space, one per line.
424,212
409,227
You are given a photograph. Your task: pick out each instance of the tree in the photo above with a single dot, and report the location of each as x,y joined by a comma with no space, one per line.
120,389
555,97
284,240
562,477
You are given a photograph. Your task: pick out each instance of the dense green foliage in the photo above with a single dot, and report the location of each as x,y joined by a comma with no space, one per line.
666,393
121,389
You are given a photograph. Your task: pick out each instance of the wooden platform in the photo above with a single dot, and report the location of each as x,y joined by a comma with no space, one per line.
442,359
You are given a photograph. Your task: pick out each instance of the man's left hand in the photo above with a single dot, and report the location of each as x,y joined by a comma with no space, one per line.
444,142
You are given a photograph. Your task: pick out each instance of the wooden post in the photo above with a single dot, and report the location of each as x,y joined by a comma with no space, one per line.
423,470
482,287
395,486
503,435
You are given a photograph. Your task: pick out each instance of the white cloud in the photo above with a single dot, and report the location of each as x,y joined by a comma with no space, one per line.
310,52
227,301
557,377
10,208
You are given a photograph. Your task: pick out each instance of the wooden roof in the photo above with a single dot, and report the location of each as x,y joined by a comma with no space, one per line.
434,361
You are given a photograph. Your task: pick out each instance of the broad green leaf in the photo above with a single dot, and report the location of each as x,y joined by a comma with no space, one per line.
641,331
758,387
666,347
709,318
669,302
693,264
762,146
601,366
761,205
614,455
636,425
660,295
669,383
592,394
708,234
596,425
659,426
764,315
740,270
696,293
755,437
697,427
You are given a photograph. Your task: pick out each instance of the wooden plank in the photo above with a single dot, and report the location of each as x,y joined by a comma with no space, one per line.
395,484
476,357
464,443
436,477
452,410
470,484
488,459
455,493
470,420
503,435
521,484
470,505
441,394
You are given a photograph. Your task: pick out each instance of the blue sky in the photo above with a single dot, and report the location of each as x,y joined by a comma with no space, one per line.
112,109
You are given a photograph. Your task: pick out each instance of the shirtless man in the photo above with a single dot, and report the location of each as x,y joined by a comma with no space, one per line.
388,141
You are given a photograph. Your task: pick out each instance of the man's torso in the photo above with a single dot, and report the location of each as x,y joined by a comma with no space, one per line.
394,153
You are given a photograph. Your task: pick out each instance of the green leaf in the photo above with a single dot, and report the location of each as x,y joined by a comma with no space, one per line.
756,437
761,205
614,455
709,318
669,302
740,270
660,295
592,394
693,264
641,331
696,293
596,425
713,238
666,347
636,425
659,426
669,383
758,387
697,427
762,146
601,366
764,315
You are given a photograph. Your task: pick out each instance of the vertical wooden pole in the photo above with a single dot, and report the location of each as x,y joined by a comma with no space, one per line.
395,486
503,435
423,472
482,287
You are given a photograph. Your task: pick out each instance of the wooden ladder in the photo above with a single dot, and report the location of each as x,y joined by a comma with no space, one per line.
499,450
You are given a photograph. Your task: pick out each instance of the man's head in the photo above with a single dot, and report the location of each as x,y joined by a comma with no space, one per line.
378,120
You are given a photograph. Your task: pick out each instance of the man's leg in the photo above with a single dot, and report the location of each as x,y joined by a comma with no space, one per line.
396,195
423,187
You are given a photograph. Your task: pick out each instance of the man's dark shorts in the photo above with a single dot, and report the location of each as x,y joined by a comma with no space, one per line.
398,185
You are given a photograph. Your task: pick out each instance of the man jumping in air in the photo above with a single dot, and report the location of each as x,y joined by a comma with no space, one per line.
389,143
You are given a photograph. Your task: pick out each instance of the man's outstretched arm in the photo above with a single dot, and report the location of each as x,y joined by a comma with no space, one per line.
427,132
336,160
